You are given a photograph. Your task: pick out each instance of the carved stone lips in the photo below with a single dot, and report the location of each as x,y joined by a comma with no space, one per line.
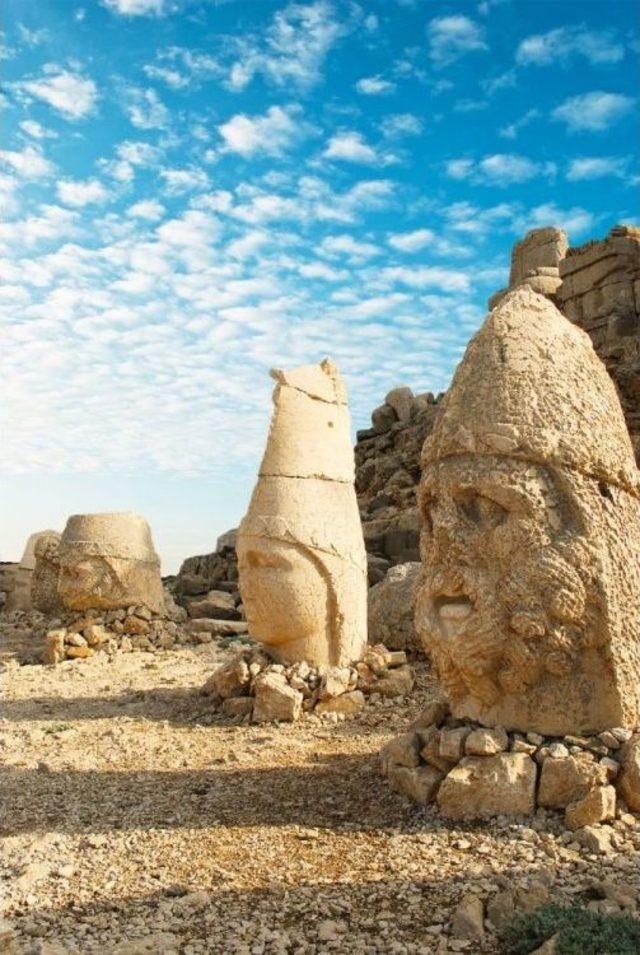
452,613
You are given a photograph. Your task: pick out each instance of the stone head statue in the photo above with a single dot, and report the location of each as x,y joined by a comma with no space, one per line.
530,597
108,561
19,577
46,571
301,556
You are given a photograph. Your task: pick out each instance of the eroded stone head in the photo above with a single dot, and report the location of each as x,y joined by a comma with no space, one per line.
108,561
46,571
530,597
301,556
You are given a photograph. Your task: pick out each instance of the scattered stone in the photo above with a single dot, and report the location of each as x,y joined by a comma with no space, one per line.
629,780
468,919
568,779
275,700
486,742
598,805
484,786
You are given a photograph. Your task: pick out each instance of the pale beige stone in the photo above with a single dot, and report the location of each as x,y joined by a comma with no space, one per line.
540,248
231,679
392,608
468,918
54,651
486,742
348,704
45,574
108,561
302,562
419,783
529,602
18,578
599,805
567,780
398,682
275,700
629,781
483,786
402,751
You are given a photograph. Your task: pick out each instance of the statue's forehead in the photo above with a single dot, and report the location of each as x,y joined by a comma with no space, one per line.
484,472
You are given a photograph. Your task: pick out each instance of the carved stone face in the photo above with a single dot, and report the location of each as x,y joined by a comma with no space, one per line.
285,596
504,606
90,582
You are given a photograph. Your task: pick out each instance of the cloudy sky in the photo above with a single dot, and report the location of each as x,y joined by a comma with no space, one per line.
196,191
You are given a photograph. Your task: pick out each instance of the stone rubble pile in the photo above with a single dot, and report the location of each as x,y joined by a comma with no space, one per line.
200,574
472,771
252,688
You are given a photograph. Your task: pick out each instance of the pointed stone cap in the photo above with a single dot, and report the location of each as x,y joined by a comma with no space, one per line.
309,435
123,535
28,560
530,386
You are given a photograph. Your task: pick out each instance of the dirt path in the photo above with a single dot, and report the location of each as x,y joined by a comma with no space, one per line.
138,821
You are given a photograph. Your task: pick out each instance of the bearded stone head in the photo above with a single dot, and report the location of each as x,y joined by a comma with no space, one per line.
530,596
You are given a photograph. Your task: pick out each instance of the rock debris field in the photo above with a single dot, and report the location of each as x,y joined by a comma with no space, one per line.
138,819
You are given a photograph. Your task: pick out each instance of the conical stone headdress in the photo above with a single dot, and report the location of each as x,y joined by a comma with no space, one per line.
531,386
119,535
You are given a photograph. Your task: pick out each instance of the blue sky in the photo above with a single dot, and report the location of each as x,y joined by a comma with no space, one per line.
196,191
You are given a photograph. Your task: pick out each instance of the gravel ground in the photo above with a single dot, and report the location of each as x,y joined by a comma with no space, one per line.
139,821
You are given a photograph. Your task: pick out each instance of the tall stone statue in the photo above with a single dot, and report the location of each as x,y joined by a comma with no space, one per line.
302,562
46,571
19,577
108,561
530,596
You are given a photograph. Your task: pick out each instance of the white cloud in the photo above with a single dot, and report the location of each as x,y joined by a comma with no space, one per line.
78,194
401,124
173,78
566,43
28,163
320,270
148,209
346,245
499,169
412,241
272,134
420,277
35,130
595,168
192,228
135,8
145,109
575,220
594,111
179,181
70,93
451,37
52,222
293,50
512,130
374,86
351,147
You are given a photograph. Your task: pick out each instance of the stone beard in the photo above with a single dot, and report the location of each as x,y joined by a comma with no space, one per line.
529,592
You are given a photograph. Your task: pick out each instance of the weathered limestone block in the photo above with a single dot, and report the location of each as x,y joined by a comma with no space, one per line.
108,561
483,786
567,780
302,562
420,783
530,598
44,582
392,608
539,248
401,400
275,700
18,579
629,781
599,805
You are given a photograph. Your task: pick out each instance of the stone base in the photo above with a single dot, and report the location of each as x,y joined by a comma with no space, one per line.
476,772
252,688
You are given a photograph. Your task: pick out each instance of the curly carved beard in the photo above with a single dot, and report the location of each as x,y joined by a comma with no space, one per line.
531,621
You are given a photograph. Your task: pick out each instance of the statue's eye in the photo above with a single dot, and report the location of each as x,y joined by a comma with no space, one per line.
482,510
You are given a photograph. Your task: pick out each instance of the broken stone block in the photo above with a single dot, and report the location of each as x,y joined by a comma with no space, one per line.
54,649
599,805
629,780
419,783
391,608
484,786
567,780
402,751
486,742
237,706
275,700
468,919
452,742
350,704
216,605
397,682
231,679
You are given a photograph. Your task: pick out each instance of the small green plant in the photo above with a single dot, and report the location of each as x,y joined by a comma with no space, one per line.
578,931
57,728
